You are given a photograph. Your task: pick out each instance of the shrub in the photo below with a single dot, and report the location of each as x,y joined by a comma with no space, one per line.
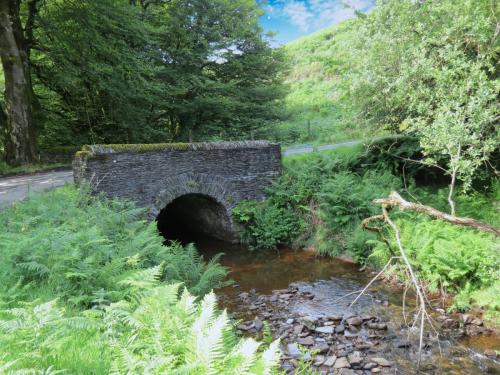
394,154
267,226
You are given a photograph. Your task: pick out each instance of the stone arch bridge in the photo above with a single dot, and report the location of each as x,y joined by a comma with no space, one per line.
192,186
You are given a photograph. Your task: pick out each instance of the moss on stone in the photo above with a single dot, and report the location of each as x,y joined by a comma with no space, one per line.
152,147
82,154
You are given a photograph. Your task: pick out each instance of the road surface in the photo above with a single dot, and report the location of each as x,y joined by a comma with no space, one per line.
17,188
306,149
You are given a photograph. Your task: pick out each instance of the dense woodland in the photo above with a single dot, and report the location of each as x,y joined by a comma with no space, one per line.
87,285
119,71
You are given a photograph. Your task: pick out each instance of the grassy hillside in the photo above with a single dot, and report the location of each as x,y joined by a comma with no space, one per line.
318,105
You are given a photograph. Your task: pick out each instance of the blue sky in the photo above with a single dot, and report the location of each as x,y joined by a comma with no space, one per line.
292,19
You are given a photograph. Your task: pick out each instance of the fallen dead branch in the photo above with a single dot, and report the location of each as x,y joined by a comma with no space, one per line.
396,200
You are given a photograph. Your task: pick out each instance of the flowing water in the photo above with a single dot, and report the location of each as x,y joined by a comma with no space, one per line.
332,279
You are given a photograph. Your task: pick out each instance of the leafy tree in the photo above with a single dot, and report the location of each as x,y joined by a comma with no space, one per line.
94,73
222,75
431,69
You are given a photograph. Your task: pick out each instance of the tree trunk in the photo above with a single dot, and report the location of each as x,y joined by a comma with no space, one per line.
21,137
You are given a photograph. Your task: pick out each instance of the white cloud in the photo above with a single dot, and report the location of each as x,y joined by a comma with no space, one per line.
299,14
312,15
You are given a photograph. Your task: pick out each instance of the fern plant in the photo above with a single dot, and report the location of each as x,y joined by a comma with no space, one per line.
157,330
162,333
69,244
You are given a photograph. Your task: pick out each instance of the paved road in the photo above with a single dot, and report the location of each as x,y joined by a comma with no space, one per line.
306,149
17,188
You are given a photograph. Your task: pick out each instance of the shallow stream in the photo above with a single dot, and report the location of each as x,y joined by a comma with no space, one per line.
330,280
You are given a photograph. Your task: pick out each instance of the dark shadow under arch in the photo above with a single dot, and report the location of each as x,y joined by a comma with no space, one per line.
195,214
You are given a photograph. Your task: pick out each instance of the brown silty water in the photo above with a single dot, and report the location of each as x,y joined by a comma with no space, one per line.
330,280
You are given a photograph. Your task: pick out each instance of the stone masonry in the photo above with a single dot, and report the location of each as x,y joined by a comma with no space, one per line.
153,177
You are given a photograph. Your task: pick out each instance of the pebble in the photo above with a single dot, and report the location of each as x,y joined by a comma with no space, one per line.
369,366
319,360
243,295
322,348
377,326
477,322
491,353
289,321
306,357
308,321
298,329
257,323
340,328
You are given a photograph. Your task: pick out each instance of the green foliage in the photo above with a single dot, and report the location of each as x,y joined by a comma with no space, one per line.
318,198
401,155
116,71
155,332
87,287
68,244
448,257
346,197
265,225
162,334
430,69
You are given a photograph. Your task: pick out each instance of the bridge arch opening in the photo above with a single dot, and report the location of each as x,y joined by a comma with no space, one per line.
192,215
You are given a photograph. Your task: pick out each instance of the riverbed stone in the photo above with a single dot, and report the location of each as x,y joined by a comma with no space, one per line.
308,321
340,328
477,322
377,326
369,365
354,321
381,361
298,329
324,329
293,350
243,295
341,362
491,353
355,358
306,341
330,361
257,323
319,360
